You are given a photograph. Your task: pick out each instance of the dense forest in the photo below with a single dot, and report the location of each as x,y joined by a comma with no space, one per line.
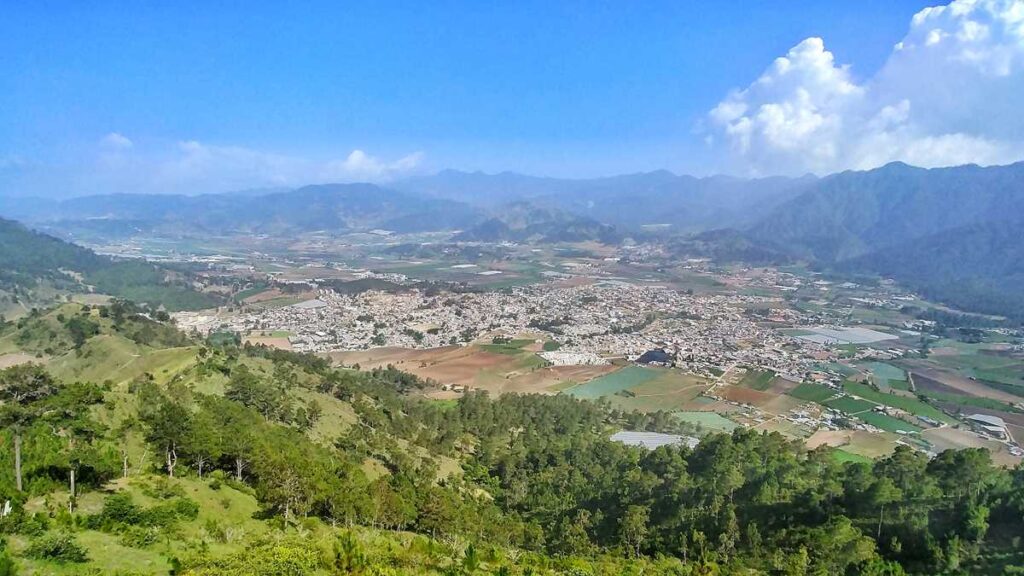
509,485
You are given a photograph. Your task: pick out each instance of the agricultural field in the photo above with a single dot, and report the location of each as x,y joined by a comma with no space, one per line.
842,456
850,405
274,339
887,376
887,423
858,442
948,438
711,421
812,392
669,390
929,377
987,362
623,379
905,403
757,379
509,370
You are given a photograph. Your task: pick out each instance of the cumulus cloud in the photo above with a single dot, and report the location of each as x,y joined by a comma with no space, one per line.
949,93
359,164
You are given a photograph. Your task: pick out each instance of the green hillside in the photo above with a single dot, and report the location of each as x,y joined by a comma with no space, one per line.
36,269
190,458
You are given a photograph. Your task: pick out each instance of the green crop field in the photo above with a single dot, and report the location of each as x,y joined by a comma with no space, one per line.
812,392
912,405
887,423
850,405
757,379
669,390
842,456
710,421
888,376
510,348
615,382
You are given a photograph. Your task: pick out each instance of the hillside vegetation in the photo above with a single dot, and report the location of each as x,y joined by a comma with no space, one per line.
34,266
143,451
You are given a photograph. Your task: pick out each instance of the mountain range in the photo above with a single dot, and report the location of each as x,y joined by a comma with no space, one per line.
946,232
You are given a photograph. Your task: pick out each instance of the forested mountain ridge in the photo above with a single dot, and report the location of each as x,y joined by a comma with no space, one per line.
247,460
30,259
855,213
947,232
978,267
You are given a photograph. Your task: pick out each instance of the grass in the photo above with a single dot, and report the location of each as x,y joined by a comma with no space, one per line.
225,507
511,348
888,376
973,401
887,423
670,390
757,379
850,405
711,421
615,382
842,456
552,345
812,392
905,403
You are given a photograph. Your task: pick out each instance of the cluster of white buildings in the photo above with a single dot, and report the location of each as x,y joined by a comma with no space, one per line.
591,322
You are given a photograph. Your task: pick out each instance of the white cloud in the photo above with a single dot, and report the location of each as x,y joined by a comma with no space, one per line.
197,167
949,93
360,165
117,165
115,141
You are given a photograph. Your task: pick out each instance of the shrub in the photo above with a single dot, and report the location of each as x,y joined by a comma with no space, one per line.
139,537
7,566
167,513
58,547
119,508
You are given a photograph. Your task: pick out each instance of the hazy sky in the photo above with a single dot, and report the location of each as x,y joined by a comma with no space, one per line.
211,96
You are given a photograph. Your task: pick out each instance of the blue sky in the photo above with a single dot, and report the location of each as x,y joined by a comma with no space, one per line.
104,93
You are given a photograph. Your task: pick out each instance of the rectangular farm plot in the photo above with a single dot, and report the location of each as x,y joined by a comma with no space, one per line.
615,382
812,392
852,406
887,423
757,379
709,421
905,403
887,376
670,390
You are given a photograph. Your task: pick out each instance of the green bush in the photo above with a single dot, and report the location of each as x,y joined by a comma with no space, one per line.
139,536
58,547
7,565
